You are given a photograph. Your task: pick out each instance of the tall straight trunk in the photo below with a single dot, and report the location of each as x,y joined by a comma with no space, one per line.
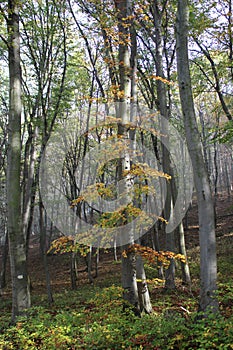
166,161
136,294
186,279
43,249
4,264
29,184
73,270
227,179
156,246
129,282
208,263
17,243
143,291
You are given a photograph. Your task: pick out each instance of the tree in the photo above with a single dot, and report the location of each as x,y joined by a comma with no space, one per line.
135,293
162,107
3,156
122,80
212,35
157,40
17,240
208,263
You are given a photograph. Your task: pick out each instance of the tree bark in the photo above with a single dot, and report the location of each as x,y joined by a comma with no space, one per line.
143,292
166,161
208,263
73,270
17,243
43,250
4,264
129,283
138,297
186,279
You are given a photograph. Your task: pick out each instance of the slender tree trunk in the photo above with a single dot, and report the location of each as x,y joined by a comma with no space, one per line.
227,179
204,142
138,297
97,259
208,263
115,250
89,265
143,292
29,184
4,264
17,243
129,282
156,246
184,265
166,161
215,172
73,270
44,251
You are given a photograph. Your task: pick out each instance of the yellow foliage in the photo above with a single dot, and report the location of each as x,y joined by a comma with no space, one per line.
163,80
153,256
66,244
144,170
76,201
62,245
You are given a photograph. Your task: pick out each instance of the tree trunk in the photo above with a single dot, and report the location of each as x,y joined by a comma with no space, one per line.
129,283
29,186
17,243
208,263
4,264
186,279
156,246
97,259
73,270
143,292
44,251
166,161
217,79
89,265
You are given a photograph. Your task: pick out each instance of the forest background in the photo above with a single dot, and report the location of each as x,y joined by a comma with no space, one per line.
69,62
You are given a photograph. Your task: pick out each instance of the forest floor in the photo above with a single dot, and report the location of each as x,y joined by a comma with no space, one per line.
106,291
108,269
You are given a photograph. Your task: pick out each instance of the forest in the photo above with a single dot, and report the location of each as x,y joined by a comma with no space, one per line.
116,174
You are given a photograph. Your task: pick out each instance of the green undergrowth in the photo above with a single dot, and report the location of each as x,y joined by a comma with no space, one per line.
92,318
